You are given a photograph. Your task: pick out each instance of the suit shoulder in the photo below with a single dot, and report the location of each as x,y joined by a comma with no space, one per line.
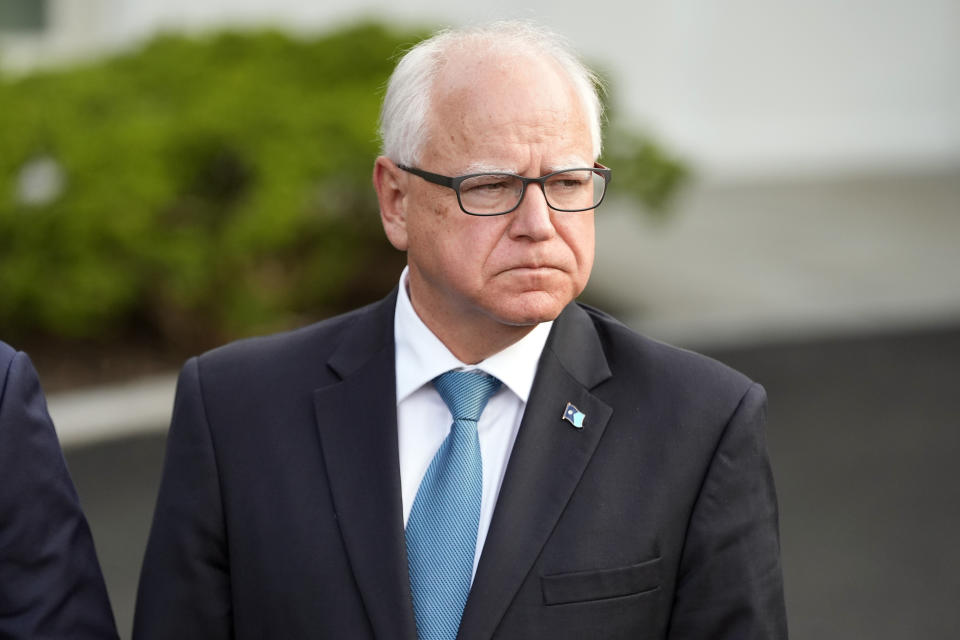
629,351
6,357
296,352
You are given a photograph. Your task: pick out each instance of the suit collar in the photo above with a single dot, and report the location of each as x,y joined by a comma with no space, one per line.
577,346
370,332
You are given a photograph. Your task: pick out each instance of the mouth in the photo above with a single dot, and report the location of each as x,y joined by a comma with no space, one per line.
532,268
533,272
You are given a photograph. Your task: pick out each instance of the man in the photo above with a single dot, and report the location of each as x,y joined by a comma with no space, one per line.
612,487
50,581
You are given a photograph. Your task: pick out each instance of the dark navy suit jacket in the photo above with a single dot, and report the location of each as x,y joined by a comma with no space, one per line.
279,513
50,582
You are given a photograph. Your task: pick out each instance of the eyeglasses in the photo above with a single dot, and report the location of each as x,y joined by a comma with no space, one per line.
494,194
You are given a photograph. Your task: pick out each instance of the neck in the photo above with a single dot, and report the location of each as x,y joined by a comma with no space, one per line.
471,338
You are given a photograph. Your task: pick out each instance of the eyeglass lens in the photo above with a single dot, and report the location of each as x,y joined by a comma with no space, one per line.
494,193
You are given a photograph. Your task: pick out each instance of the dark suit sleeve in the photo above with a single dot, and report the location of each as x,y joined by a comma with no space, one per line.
730,583
50,582
184,588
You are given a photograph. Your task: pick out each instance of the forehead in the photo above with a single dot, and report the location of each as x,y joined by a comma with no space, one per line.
502,107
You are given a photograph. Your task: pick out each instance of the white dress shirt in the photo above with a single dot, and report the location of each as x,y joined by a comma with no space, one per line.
423,419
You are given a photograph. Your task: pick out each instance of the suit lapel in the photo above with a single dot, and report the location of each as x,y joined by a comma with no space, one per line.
357,422
546,465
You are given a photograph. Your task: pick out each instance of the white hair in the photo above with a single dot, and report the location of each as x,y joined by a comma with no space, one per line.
406,105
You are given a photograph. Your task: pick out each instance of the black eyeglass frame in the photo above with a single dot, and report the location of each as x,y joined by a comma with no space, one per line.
455,182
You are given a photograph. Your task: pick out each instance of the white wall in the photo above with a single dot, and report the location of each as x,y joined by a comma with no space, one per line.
742,87
74,29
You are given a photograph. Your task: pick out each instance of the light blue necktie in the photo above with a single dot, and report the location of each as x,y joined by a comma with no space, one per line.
442,527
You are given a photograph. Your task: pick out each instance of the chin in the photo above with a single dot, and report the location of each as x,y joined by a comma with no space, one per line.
530,309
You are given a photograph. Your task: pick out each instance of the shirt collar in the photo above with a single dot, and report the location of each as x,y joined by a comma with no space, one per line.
421,356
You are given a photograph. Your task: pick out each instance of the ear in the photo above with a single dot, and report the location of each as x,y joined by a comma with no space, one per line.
390,182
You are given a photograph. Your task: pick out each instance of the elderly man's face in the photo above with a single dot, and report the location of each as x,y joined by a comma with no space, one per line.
514,114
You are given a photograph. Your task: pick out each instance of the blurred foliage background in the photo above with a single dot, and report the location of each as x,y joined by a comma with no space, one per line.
205,188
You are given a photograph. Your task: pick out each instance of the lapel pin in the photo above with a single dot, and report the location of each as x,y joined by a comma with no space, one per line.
574,416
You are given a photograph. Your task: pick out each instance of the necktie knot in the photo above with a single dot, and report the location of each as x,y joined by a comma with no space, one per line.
465,392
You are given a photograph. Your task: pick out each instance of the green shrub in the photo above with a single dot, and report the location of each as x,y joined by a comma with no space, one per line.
213,187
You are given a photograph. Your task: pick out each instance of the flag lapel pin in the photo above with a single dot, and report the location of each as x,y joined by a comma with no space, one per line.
574,416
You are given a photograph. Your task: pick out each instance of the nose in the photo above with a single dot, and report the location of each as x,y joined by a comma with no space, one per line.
531,219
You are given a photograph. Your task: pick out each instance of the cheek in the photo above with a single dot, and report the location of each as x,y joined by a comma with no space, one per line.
578,234
425,220
580,240
449,240
466,239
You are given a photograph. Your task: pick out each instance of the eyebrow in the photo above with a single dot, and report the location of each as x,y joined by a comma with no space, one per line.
485,167
570,162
